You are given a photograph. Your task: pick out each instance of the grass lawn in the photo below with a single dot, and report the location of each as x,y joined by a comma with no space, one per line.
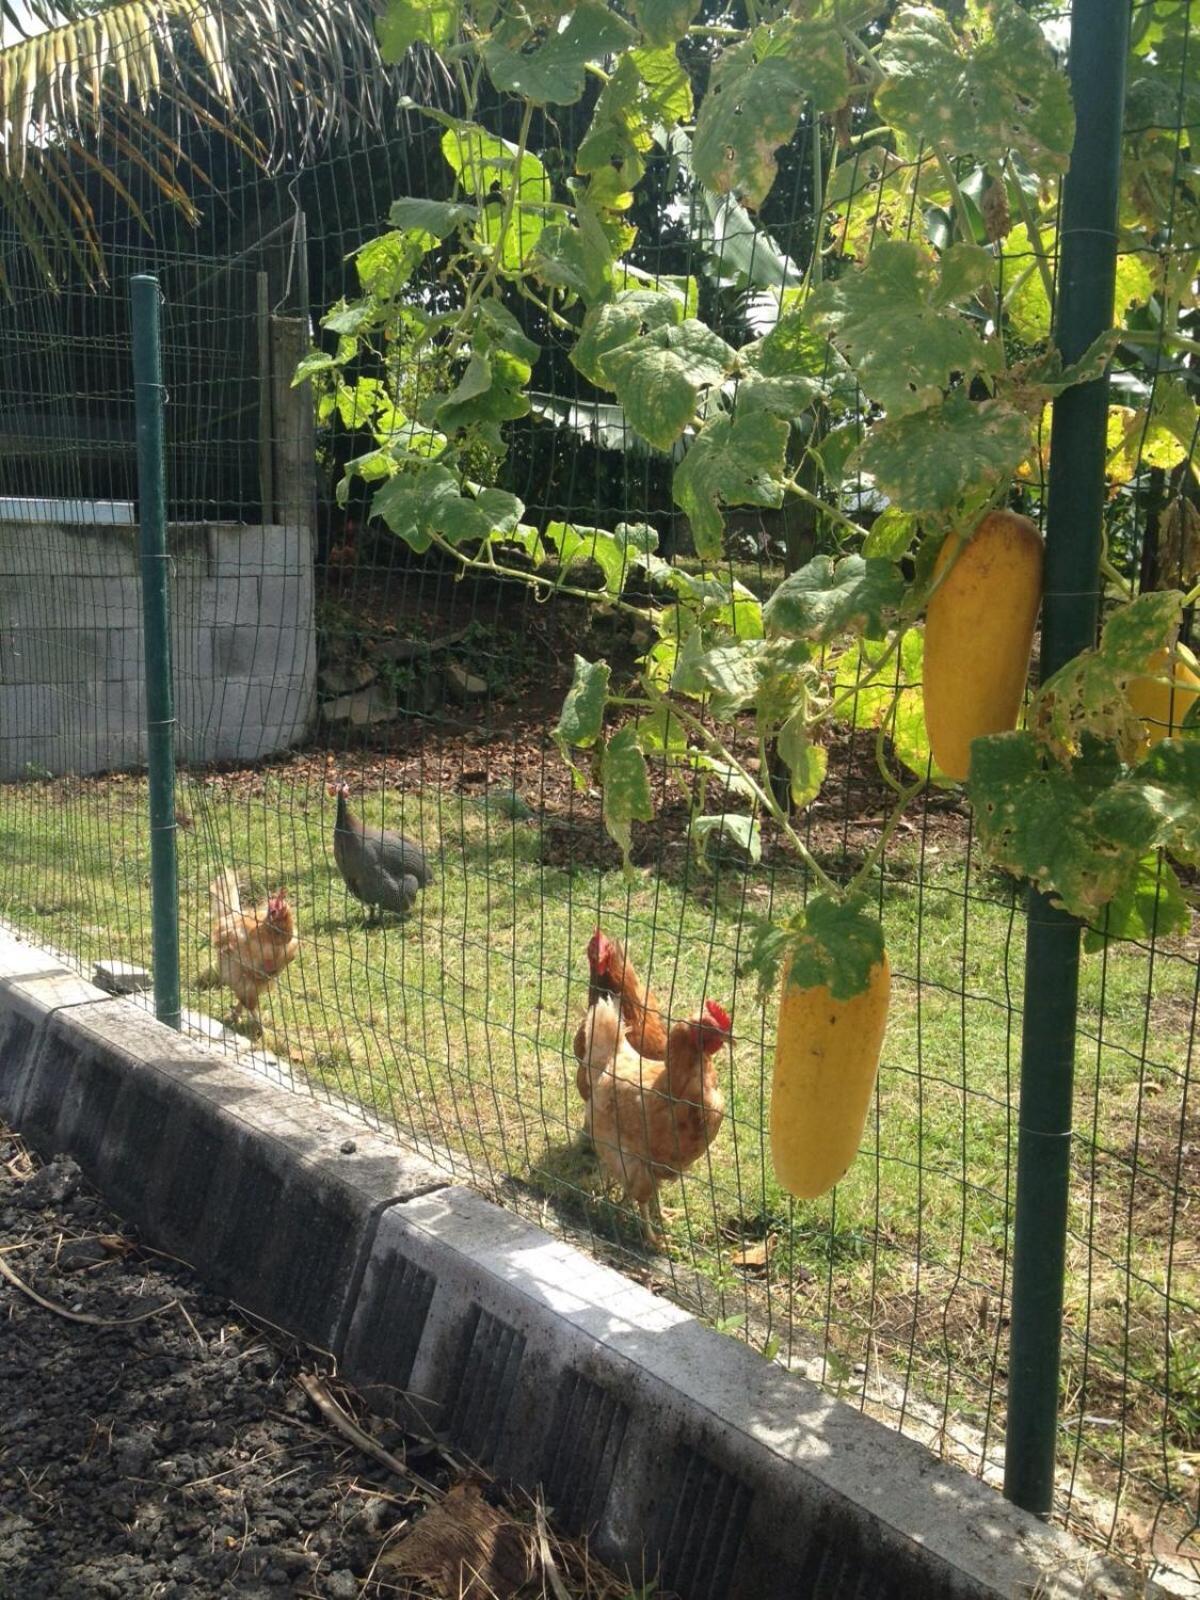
456,1027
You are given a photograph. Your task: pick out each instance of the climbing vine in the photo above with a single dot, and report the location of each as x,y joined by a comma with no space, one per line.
910,353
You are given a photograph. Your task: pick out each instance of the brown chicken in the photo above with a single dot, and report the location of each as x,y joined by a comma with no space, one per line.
253,946
652,1120
612,973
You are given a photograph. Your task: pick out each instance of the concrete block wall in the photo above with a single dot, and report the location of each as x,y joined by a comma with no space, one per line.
680,1452
71,663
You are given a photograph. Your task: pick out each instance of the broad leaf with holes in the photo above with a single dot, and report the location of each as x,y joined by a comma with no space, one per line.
483,161
952,456
1080,831
658,376
649,91
736,461
827,597
831,943
1088,696
582,715
754,101
606,328
994,90
553,71
892,323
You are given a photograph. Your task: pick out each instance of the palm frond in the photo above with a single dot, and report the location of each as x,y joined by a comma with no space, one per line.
116,83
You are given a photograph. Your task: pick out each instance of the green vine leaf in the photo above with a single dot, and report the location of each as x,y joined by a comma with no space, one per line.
658,374
665,21
616,554
417,506
736,461
794,350
832,943
582,716
1087,696
490,391
826,598
482,161
952,455
993,89
554,71
709,836
386,264
755,99
1080,831
496,323
437,218
726,674
1170,781
894,699
662,732
806,762
406,22
647,96
576,259
890,321
1150,906
841,943
626,786
606,328
892,535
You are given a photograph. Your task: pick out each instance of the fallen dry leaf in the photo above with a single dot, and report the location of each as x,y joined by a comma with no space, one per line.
755,1254
465,1547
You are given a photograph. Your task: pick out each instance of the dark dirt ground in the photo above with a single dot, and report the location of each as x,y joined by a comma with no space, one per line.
167,1450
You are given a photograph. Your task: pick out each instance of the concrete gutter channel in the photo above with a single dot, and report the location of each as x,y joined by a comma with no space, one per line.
685,1454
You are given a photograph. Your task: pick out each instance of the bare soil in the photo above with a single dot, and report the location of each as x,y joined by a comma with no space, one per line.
157,1442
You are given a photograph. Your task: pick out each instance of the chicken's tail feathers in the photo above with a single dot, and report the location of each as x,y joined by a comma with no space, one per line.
225,895
603,1033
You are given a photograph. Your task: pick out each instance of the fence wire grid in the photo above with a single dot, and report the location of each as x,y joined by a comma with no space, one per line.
311,646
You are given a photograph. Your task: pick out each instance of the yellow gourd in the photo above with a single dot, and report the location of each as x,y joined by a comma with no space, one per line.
1163,706
826,1058
978,636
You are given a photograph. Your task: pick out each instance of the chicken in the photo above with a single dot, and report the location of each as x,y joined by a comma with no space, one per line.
652,1120
379,867
252,946
612,973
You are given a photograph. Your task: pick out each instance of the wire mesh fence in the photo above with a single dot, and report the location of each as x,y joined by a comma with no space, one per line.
312,646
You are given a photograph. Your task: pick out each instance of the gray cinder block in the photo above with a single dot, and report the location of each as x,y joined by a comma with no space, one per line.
249,1184
684,1455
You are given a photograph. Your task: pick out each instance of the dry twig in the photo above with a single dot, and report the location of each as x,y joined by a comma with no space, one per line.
361,1440
78,1316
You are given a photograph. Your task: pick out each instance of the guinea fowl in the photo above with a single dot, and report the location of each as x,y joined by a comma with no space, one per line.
381,868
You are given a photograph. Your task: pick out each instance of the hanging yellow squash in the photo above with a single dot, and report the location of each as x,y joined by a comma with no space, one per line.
826,1058
978,636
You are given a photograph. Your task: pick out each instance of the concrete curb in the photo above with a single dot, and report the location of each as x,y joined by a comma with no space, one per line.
682,1452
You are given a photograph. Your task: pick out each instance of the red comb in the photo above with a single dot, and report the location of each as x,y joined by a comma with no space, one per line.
718,1015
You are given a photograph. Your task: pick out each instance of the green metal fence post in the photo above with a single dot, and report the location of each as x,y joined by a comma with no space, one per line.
156,620
1087,265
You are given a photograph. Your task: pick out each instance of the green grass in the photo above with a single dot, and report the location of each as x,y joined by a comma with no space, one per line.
456,1027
